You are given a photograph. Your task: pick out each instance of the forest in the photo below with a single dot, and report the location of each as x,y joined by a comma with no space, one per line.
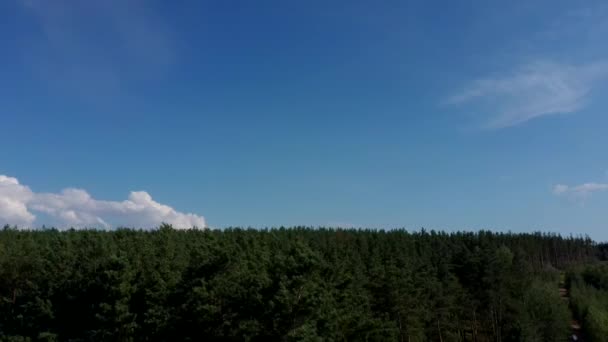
588,286
298,284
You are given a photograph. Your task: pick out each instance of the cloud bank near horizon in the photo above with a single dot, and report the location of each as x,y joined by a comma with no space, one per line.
71,207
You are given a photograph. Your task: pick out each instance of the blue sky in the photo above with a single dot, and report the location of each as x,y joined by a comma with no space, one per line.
445,115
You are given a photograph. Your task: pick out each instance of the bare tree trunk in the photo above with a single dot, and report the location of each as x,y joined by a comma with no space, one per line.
474,325
494,324
400,328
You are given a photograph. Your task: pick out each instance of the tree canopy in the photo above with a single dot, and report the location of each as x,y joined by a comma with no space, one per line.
287,284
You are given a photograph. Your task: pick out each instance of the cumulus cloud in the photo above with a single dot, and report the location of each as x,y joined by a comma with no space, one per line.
535,90
13,199
579,190
76,208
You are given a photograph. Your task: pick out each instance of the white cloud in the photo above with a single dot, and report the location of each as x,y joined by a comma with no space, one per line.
535,90
579,190
76,208
560,189
13,199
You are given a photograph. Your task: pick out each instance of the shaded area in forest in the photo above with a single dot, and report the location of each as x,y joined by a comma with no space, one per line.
575,326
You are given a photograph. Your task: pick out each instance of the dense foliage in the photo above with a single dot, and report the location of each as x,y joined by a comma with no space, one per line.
589,299
296,284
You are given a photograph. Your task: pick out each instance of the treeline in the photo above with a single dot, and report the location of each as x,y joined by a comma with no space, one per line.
588,287
296,284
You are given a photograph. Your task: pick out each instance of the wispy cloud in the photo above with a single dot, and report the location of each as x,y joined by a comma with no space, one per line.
532,91
583,190
76,208
97,45
339,224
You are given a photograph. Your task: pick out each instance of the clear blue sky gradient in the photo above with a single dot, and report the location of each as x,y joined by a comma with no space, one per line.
271,113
